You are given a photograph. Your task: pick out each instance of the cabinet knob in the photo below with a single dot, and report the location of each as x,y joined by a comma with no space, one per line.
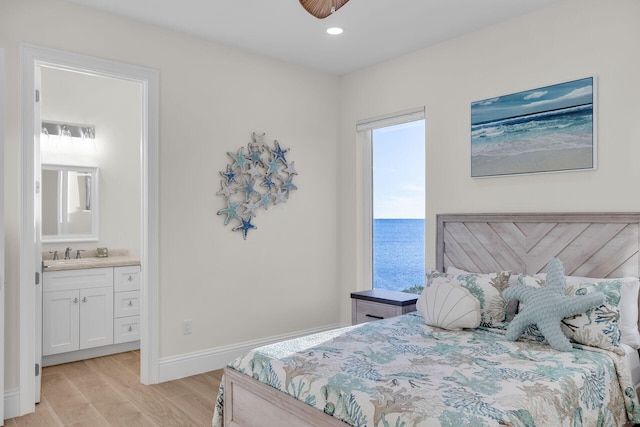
84,299
130,329
130,279
130,304
75,300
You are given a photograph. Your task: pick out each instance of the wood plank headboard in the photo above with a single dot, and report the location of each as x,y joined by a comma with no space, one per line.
588,244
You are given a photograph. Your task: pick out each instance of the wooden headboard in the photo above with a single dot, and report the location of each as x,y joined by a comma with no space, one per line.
588,244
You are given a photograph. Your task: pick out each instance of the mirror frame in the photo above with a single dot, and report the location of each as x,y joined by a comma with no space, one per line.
95,224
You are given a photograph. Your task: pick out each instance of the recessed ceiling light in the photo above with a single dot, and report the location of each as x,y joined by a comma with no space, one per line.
334,31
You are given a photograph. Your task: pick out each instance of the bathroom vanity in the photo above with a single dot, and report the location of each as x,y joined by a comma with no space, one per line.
90,308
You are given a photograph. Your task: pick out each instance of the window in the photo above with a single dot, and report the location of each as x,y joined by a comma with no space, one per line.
395,219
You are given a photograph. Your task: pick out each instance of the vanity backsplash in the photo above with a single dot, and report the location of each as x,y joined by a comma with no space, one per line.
84,253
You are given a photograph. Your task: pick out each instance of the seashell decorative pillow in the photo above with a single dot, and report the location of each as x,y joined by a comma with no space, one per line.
487,288
449,306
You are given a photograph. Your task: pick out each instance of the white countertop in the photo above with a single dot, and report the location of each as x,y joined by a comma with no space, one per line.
82,263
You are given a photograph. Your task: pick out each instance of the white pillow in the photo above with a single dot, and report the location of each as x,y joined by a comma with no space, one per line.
449,306
628,325
513,279
453,270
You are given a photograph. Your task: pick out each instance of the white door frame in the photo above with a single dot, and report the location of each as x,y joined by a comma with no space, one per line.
2,282
31,57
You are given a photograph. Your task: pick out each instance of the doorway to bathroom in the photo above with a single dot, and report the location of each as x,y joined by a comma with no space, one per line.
76,91
89,198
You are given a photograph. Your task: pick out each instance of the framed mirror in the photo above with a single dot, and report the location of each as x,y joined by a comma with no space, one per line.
69,203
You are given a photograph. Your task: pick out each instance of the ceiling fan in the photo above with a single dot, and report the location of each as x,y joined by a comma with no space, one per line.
322,8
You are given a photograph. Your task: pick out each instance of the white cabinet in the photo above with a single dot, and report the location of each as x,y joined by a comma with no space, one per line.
90,308
126,288
77,310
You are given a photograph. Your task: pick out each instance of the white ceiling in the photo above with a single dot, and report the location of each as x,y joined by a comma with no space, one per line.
374,30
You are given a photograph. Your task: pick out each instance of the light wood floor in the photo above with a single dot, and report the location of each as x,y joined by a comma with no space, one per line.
106,391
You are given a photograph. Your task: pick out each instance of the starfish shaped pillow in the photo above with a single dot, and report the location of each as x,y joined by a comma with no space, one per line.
547,306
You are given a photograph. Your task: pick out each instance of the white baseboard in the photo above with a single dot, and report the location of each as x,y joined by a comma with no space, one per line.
89,353
184,365
11,403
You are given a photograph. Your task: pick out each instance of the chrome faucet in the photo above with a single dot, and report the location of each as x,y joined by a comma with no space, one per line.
78,253
55,255
67,253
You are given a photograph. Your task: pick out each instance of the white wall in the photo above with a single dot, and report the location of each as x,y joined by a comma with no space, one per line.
282,279
113,107
575,38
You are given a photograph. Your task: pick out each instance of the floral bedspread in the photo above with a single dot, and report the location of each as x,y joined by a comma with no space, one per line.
400,372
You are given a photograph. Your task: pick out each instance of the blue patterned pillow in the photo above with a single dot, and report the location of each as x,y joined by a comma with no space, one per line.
597,327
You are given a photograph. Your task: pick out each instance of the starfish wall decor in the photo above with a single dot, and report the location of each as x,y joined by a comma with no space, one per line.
256,179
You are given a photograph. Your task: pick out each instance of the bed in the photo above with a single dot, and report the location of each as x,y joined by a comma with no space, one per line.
401,372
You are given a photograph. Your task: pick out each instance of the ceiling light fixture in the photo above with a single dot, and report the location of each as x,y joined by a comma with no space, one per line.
322,8
64,130
334,31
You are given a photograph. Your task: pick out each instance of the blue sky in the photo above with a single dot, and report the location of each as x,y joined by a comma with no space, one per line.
398,171
547,98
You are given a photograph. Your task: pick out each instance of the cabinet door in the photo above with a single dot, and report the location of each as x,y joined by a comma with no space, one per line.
60,321
96,317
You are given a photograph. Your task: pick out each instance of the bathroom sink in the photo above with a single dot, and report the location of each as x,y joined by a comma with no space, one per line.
75,260
69,264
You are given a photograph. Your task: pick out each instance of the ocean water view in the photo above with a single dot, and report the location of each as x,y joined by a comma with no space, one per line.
398,253
562,129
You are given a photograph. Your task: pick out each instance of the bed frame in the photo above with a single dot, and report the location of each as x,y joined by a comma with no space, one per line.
588,244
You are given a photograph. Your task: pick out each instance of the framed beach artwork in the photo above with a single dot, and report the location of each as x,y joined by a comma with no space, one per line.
549,129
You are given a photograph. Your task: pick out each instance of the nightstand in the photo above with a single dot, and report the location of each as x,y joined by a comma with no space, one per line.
380,304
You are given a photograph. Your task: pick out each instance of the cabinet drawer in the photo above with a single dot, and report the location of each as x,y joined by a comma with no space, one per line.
64,280
126,304
367,311
126,278
126,329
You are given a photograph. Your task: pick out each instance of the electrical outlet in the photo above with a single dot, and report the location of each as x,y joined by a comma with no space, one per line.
187,327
